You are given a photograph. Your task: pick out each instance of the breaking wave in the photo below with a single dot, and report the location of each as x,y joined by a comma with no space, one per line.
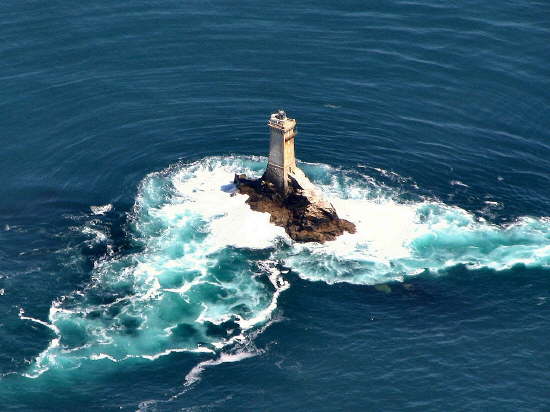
207,269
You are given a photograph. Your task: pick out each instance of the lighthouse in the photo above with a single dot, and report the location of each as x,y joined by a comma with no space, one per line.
285,192
282,161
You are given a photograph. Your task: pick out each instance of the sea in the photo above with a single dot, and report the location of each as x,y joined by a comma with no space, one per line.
133,278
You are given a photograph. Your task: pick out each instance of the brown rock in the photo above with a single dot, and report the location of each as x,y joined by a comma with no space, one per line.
305,216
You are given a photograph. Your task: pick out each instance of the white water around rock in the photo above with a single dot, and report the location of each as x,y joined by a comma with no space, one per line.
206,270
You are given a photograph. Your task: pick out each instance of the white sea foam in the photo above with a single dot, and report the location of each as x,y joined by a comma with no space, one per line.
97,235
40,322
207,274
192,288
101,210
396,239
458,183
231,222
100,356
194,375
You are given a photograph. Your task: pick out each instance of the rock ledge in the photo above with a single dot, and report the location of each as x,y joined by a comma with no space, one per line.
304,214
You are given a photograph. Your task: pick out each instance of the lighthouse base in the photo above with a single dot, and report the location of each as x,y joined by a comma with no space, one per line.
302,211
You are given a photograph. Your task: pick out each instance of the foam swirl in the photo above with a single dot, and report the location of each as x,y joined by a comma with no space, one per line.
206,269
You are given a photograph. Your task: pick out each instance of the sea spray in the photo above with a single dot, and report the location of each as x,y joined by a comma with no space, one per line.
395,240
206,272
193,286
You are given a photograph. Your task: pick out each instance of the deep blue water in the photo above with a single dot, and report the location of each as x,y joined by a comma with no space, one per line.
131,279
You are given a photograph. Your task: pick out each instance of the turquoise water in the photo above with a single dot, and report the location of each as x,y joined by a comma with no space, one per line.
132,279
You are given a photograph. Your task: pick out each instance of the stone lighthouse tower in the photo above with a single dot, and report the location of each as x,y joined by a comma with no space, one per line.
285,192
282,162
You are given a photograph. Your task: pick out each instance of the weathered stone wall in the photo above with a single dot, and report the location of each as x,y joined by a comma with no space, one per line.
276,175
289,158
276,151
275,171
281,155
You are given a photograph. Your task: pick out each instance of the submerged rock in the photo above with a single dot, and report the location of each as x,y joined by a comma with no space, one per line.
302,211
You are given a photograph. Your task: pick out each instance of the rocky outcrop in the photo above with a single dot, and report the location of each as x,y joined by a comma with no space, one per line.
304,214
